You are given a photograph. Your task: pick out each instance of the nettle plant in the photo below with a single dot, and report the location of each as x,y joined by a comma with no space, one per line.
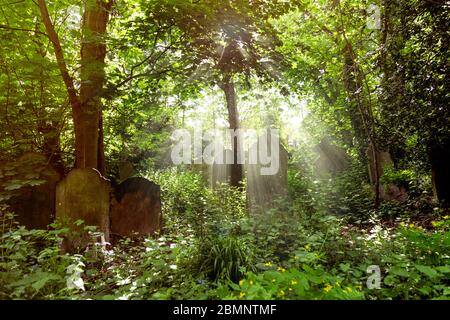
421,268
33,267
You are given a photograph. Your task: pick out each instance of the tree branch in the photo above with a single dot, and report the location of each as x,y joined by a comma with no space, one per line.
2,26
53,36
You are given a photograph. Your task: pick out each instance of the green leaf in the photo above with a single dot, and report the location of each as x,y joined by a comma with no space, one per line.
345,267
389,280
443,269
36,182
13,186
430,272
399,272
38,285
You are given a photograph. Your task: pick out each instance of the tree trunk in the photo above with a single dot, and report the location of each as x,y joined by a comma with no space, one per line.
101,161
86,106
361,116
355,113
233,119
439,157
89,152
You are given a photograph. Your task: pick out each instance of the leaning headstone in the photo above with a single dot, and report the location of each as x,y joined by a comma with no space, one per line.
217,172
84,195
136,208
383,160
34,203
390,191
220,173
332,159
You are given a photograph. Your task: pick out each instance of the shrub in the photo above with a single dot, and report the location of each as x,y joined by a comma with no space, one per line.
188,203
32,267
222,257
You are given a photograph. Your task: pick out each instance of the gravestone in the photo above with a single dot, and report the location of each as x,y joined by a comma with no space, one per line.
126,170
332,159
216,173
136,208
84,194
390,191
262,190
221,172
34,205
383,160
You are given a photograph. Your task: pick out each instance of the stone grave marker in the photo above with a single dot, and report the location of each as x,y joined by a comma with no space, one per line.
220,171
136,208
332,159
34,203
84,194
390,191
262,190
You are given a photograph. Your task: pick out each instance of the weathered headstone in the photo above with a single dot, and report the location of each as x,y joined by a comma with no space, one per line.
136,208
216,173
332,159
383,160
126,170
34,205
220,171
262,189
84,194
390,191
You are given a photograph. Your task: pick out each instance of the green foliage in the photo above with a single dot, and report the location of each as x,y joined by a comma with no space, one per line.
403,178
306,284
165,61
33,107
222,258
422,271
413,260
28,171
189,203
348,193
32,267
290,256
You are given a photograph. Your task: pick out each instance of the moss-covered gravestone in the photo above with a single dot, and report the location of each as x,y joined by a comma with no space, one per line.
387,191
31,183
84,195
136,208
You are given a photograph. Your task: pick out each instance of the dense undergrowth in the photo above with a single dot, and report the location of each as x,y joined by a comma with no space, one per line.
309,246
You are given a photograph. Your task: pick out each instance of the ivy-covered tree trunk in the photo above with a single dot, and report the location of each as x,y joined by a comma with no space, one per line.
87,118
439,157
233,119
86,105
353,88
394,100
360,115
